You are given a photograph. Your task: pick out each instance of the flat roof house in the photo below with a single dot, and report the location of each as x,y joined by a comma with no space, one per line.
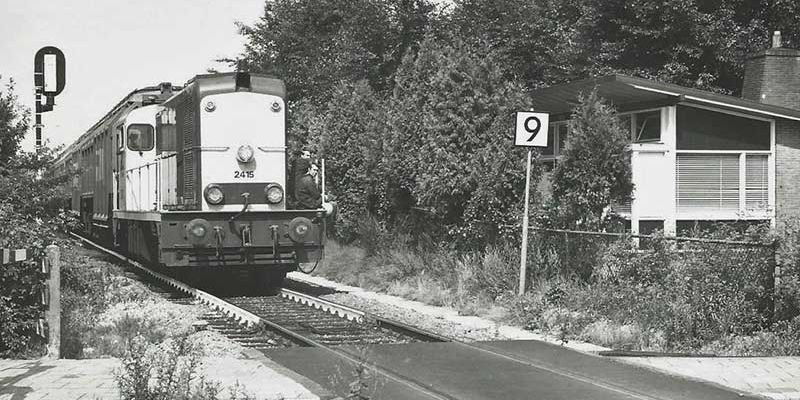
697,155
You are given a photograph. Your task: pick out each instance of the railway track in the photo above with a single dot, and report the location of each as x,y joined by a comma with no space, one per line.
296,319
415,371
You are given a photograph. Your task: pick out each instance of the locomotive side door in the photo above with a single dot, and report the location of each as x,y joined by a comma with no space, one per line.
119,203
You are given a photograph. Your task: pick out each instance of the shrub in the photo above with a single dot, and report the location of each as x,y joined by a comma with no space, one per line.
594,170
349,137
29,209
162,373
781,339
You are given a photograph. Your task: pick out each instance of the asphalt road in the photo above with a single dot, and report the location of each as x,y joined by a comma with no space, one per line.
498,370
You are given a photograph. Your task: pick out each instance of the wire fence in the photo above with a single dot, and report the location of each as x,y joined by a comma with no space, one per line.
743,266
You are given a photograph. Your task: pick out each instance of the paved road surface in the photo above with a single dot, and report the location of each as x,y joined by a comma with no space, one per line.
530,370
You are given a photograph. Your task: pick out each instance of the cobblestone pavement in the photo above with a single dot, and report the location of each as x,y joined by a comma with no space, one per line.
772,377
93,379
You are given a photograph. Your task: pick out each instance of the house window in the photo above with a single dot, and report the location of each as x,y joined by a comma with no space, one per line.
649,227
701,129
556,140
647,126
757,182
707,182
722,162
644,126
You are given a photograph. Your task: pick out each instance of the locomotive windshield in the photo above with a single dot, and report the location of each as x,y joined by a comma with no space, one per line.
140,137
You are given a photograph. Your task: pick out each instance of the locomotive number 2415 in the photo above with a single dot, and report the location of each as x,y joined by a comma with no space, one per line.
243,174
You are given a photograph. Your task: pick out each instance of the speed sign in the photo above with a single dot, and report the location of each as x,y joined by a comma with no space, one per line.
531,129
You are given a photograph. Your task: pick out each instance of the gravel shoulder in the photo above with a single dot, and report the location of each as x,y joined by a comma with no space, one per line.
442,320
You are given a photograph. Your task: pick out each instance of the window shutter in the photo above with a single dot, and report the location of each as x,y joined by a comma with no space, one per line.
707,182
757,182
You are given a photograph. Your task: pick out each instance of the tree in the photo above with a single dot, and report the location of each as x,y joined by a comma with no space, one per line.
14,120
531,40
449,150
349,136
29,209
594,170
314,45
700,44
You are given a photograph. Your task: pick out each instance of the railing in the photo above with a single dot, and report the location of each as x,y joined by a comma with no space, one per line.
145,185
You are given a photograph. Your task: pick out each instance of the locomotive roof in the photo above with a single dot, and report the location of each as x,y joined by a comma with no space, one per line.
206,84
135,96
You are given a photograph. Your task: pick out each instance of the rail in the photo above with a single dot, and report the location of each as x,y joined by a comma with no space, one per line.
250,318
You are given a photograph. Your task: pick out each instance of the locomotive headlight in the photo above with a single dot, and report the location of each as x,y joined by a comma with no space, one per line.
274,193
245,154
299,229
196,230
213,194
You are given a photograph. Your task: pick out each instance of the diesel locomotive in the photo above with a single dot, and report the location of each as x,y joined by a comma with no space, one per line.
193,179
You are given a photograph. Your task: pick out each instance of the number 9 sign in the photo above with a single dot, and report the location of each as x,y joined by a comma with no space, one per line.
531,129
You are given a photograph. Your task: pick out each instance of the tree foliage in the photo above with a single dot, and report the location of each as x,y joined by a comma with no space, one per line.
14,120
350,140
595,170
30,215
450,148
412,104
313,45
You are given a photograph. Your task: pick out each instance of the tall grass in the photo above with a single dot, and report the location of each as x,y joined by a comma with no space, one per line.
665,298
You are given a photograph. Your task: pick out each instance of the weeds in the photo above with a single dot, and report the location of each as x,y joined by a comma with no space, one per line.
168,371
360,383
668,297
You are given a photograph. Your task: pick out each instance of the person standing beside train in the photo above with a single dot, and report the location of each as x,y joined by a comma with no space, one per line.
306,192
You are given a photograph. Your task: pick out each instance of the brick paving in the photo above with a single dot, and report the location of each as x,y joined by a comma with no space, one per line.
94,380
772,377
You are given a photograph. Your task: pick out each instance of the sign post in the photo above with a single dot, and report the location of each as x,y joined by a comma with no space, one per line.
49,69
531,132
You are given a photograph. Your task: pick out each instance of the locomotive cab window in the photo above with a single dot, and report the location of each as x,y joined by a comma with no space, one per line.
140,137
120,143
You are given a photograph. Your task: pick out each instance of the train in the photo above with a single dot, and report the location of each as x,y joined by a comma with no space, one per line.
193,180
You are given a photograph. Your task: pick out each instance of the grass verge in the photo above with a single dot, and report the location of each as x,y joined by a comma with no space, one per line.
633,314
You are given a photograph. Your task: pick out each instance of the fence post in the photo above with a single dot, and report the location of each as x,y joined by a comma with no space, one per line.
773,279
53,313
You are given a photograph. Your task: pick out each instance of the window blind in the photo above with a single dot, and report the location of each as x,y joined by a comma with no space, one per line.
756,181
707,182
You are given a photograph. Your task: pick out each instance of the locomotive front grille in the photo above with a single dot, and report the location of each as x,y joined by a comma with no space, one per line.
186,126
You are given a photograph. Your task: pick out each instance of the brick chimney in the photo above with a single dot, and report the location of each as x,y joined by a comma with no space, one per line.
773,76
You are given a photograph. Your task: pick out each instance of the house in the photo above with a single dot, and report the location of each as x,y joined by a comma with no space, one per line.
698,155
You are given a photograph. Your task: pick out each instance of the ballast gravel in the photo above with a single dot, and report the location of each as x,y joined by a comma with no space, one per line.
444,321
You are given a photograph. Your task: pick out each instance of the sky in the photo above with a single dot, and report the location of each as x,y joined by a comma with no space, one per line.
112,47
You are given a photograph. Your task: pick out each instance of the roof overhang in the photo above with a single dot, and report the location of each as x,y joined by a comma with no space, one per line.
629,93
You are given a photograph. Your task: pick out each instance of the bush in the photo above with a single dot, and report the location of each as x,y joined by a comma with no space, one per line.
84,285
594,170
167,371
31,220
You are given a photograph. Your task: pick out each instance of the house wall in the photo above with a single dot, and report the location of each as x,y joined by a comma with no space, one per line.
787,166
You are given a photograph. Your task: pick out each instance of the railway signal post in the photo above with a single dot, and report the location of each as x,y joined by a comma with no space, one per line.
49,69
531,131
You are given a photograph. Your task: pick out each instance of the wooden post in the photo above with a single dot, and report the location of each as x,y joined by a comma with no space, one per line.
53,313
524,253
